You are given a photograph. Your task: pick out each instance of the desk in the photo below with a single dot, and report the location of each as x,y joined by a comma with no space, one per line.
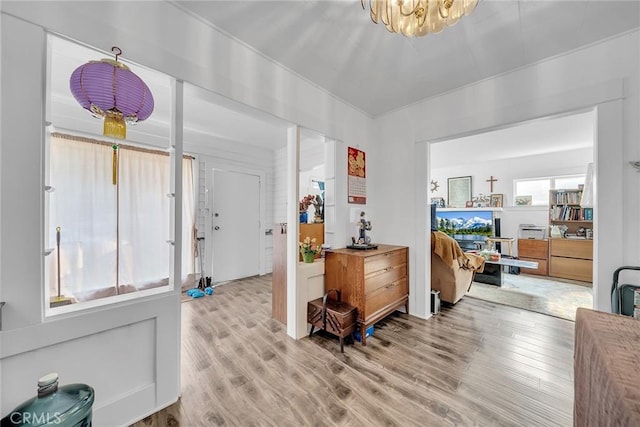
606,370
492,274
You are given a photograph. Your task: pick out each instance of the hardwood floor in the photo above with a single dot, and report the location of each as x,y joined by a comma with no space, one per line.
476,364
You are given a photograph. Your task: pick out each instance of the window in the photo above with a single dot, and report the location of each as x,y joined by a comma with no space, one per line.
114,238
538,188
110,234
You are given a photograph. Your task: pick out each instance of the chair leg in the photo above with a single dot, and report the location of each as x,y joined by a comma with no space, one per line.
311,331
341,345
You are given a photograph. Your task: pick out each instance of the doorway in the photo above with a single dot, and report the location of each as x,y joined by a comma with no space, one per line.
547,149
235,225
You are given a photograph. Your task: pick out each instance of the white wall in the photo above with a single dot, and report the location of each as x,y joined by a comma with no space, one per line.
169,41
605,75
566,162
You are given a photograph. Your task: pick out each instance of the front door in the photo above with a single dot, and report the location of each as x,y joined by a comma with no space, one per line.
235,225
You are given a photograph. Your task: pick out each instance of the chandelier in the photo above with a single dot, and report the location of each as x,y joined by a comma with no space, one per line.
109,90
415,18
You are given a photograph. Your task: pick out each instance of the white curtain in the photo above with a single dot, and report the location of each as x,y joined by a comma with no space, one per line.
83,205
188,223
144,218
86,207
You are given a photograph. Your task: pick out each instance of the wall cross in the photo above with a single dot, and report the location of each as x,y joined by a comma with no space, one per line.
491,181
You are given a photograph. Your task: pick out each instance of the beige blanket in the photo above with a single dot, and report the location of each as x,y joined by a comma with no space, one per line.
449,251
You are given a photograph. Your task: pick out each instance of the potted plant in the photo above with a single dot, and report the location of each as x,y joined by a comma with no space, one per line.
309,248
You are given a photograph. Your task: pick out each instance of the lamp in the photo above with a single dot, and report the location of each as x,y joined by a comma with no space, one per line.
415,18
109,90
586,201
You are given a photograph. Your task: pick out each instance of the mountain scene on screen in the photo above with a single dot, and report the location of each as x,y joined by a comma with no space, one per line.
459,222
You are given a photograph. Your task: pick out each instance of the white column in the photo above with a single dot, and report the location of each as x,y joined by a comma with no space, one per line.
293,228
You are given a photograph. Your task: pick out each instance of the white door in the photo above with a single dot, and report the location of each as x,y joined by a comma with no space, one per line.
235,225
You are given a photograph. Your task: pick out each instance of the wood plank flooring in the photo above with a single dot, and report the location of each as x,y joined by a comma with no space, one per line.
474,364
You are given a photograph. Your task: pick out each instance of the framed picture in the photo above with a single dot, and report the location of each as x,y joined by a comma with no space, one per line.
497,200
523,200
438,201
459,191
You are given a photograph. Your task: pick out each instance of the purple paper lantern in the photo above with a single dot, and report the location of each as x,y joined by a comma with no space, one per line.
109,90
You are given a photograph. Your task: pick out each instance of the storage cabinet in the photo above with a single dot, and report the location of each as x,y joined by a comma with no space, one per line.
375,281
536,250
571,259
279,274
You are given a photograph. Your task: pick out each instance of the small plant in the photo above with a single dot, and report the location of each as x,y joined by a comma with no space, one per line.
309,248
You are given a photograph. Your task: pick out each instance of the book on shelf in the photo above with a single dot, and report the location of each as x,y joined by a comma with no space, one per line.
571,213
587,214
568,197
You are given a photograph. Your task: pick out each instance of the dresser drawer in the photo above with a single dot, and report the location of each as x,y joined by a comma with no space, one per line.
384,261
543,266
571,268
384,277
571,248
533,248
383,296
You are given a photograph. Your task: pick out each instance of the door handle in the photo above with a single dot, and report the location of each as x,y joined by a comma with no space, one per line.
216,228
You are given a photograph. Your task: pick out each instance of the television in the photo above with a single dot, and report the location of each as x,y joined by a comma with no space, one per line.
466,225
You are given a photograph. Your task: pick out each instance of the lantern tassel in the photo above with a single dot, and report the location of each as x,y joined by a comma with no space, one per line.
114,125
115,164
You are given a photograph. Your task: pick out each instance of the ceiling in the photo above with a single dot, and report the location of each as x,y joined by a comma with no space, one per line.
547,135
335,45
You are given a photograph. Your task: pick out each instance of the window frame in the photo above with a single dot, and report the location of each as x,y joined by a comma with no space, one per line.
552,186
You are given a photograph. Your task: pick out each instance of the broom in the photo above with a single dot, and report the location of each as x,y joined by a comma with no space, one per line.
202,282
59,300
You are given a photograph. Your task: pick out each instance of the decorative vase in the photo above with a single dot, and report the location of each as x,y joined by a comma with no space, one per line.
303,217
308,256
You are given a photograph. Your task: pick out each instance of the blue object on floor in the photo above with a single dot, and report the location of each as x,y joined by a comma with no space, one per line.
367,333
208,290
197,294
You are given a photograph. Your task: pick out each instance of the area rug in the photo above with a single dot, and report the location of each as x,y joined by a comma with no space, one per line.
539,294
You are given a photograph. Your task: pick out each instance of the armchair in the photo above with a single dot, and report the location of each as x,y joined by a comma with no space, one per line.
451,269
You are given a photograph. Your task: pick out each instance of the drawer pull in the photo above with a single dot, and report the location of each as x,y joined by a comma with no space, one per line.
388,269
390,285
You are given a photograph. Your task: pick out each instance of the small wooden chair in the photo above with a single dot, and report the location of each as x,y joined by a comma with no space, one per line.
336,317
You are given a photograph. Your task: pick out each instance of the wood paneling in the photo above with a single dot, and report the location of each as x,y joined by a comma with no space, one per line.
476,363
279,277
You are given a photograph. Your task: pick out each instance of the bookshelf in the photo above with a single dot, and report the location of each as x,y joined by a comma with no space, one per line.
571,257
565,209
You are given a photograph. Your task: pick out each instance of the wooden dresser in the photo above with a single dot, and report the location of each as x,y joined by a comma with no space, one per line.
571,259
375,281
536,250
